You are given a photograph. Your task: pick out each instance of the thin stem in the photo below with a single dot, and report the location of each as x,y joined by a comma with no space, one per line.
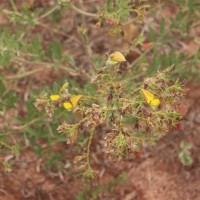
58,32
10,12
13,6
48,13
83,12
5,145
27,124
90,97
46,66
88,148
22,75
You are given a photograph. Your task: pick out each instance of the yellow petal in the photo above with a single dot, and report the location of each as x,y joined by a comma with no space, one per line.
68,106
148,95
64,87
117,57
155,102
75,100
55,97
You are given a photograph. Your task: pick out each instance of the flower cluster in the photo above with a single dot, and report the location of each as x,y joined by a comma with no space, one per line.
131,115
63,99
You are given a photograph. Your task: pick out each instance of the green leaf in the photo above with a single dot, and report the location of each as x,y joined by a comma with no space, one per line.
162,26
2,88
10,99
57,51
9,47
56,88
36,45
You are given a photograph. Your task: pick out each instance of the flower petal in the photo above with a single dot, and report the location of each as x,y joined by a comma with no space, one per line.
155,102
68,106
55,97
117,57
75,100
148,95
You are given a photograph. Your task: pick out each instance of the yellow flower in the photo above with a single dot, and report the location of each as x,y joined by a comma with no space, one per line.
55,97
150,99
69,104
116,57
72,103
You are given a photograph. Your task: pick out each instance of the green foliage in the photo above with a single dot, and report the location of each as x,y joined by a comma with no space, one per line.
7,166
121,12
25,17
7,98
94,191
35,46
117,10
167,40
185,153
54,161
9,47
55,51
